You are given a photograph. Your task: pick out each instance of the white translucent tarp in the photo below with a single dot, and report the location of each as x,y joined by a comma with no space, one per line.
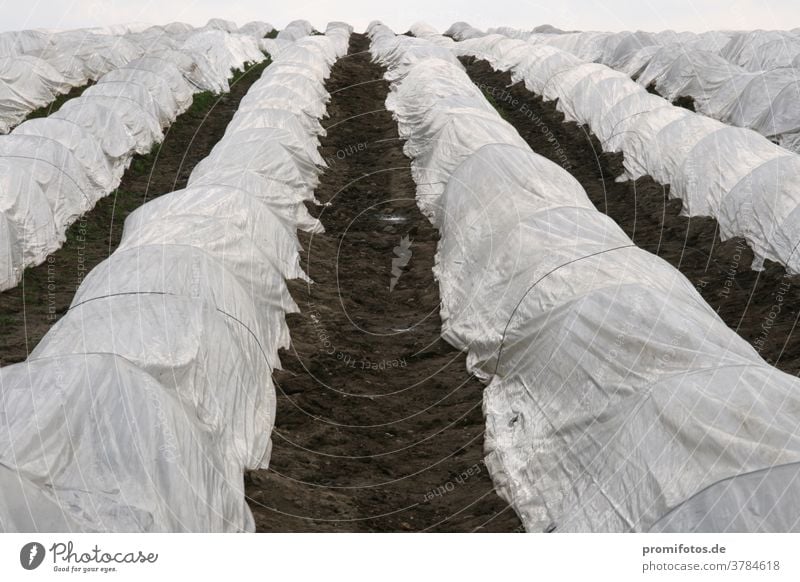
94,436
17,42
167,350
81,55
118,85
279,119
29,226
712,167
236,209
615,124
781,118
102,122
56,170
295,30
211,361
101,171
463,31
596,94
256,28
638,141
747,79
165,68
277,158
283,199
223,51
221,24
26,83
696,74
195,68
743,47
617,394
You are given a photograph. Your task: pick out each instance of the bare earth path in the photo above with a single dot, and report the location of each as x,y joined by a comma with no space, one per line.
379,427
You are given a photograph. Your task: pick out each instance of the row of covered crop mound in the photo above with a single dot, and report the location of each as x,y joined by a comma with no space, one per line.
748,79
141,408
755,51
750,185
36,66
618,398
56,168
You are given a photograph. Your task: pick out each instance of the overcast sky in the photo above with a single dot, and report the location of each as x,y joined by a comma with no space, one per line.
568,14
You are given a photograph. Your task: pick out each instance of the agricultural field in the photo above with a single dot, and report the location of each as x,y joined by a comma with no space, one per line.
466,280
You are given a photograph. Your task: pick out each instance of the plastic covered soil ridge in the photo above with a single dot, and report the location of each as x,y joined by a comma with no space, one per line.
28,310
762,307
378,426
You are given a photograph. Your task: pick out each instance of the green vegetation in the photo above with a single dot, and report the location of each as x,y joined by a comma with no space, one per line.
141,164
56,104
250,68
494,104
202,101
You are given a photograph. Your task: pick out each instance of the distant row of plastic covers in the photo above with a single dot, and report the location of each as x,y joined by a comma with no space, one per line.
56,168
767,101
43,42
750,185
757,50
618,400
37,66
748,79
141,408
294,30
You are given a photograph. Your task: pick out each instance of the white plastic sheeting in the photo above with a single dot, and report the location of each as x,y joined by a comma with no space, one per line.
167,351
256,28
296,30
90,437
463,31
54,168
164,69
747,79
679,72
26,83
759,50
18,42
223,51
195,68
753,95
617,395
78,154
36,67
33,74
715,169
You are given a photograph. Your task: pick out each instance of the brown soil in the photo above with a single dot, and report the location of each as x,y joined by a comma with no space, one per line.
379,427
685,101
28,310
763,307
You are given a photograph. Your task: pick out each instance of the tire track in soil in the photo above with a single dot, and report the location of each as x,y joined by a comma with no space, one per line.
763,307
400,447
29,310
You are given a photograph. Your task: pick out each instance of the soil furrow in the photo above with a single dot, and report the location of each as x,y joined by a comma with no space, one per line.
29,310
763,307
379,426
